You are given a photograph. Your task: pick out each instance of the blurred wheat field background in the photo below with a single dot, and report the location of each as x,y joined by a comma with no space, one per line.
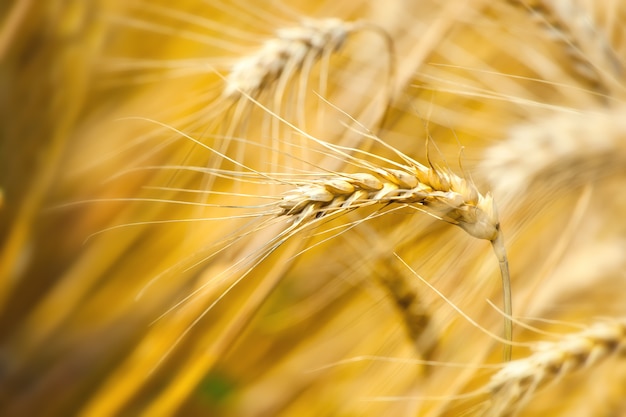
152,263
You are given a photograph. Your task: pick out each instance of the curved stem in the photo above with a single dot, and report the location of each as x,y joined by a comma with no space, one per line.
500,251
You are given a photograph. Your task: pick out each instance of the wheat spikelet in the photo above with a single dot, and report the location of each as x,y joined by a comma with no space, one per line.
292,49
279,74
517,382
280,71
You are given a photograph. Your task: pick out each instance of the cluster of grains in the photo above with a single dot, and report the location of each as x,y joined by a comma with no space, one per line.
515,384
285,53
442,194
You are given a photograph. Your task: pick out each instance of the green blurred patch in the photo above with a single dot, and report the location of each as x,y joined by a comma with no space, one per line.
216,388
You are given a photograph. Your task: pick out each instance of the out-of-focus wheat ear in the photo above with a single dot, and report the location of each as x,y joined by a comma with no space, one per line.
285,53
415,315
572,25
557,153
289,51
516,383
294,51
401,287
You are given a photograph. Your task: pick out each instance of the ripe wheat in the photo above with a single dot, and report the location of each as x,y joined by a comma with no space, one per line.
272,70
517,382
291,49
563,149
438,192
61,297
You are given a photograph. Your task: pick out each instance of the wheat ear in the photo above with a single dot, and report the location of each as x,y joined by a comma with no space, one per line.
514,385
273,70
561,151
438,192
288,52
441,193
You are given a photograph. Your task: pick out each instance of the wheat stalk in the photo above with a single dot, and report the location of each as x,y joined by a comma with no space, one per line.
515,384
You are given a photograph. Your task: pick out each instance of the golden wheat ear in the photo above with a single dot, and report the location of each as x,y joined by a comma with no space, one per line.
292,49
442,194
515,384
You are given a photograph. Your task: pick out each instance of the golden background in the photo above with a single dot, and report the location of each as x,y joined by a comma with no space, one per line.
110,261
